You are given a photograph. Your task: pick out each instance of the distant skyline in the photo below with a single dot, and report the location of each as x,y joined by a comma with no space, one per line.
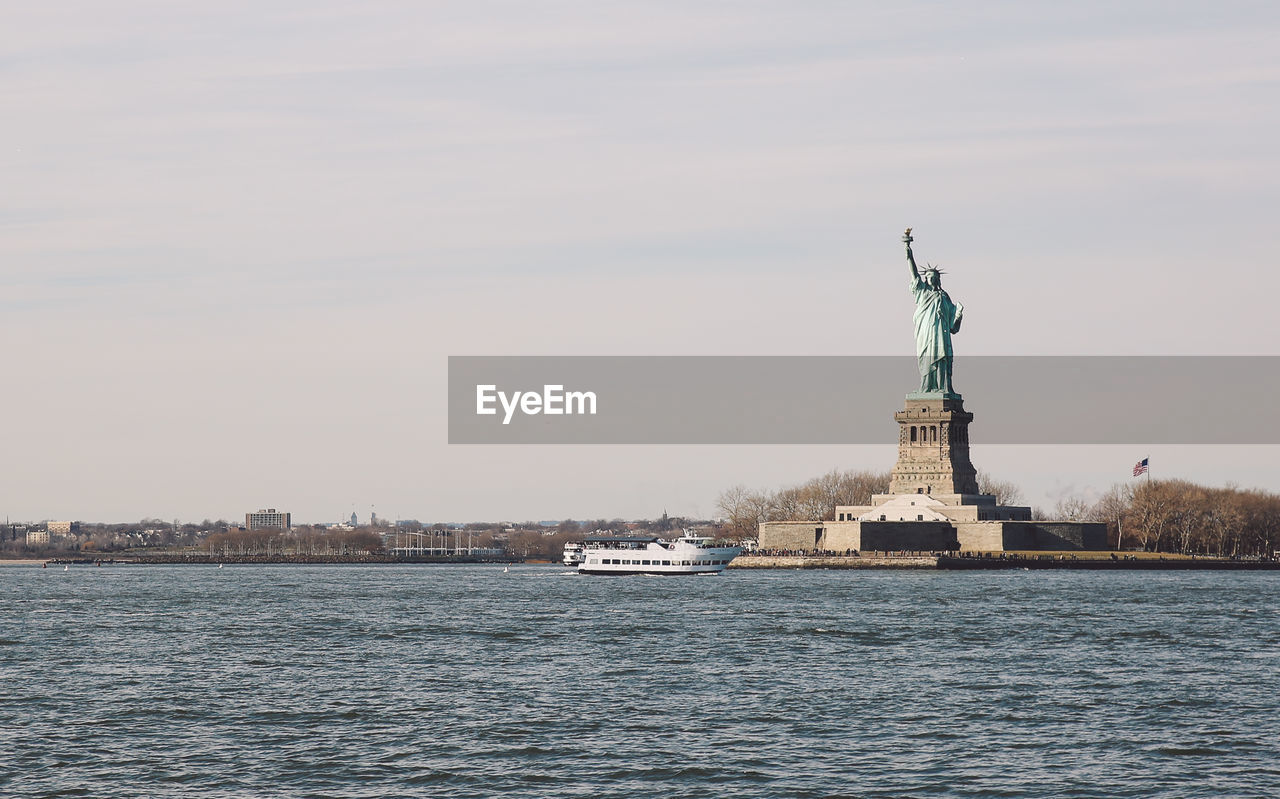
239,242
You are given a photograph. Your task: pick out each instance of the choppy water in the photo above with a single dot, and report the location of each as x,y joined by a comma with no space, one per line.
337,681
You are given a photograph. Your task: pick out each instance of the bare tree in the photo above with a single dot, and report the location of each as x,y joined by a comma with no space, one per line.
744,509
786,505
1006,492
736,505
1072,507
1112,508
1152,513
856,488
759,508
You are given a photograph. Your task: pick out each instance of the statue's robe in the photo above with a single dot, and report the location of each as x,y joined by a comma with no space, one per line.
936,316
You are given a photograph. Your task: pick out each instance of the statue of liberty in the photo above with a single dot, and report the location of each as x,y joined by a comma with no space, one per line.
936,319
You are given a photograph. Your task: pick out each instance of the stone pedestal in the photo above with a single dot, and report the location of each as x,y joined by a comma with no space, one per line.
933,447
933,502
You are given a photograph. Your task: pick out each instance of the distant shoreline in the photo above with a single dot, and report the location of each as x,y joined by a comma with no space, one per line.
1095,561
301,560
1098,561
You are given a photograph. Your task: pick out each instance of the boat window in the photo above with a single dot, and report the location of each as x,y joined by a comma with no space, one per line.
593,560
644,563
666,563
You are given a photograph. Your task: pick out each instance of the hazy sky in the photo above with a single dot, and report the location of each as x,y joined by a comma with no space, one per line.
239,240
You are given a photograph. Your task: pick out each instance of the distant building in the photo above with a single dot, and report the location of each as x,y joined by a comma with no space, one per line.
269,519
63,528
354,522
37,538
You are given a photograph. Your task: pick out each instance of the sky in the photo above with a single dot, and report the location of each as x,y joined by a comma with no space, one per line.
239,241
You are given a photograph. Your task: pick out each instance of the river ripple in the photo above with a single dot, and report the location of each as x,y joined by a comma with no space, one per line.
465,681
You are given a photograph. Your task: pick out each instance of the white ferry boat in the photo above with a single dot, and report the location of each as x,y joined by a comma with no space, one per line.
688,554
573,553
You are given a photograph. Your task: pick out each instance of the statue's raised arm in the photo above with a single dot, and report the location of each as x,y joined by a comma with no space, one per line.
911,258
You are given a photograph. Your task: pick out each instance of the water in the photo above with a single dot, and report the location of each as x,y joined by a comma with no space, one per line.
463,681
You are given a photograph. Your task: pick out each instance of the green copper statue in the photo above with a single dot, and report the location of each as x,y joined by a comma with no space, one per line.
936,318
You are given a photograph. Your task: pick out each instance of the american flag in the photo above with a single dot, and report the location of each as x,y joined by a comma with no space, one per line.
1140,467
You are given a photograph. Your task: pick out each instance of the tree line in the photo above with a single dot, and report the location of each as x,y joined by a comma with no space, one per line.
744,509
297,541
1181,516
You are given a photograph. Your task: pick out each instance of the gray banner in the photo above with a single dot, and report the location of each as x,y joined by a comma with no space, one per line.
851,400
